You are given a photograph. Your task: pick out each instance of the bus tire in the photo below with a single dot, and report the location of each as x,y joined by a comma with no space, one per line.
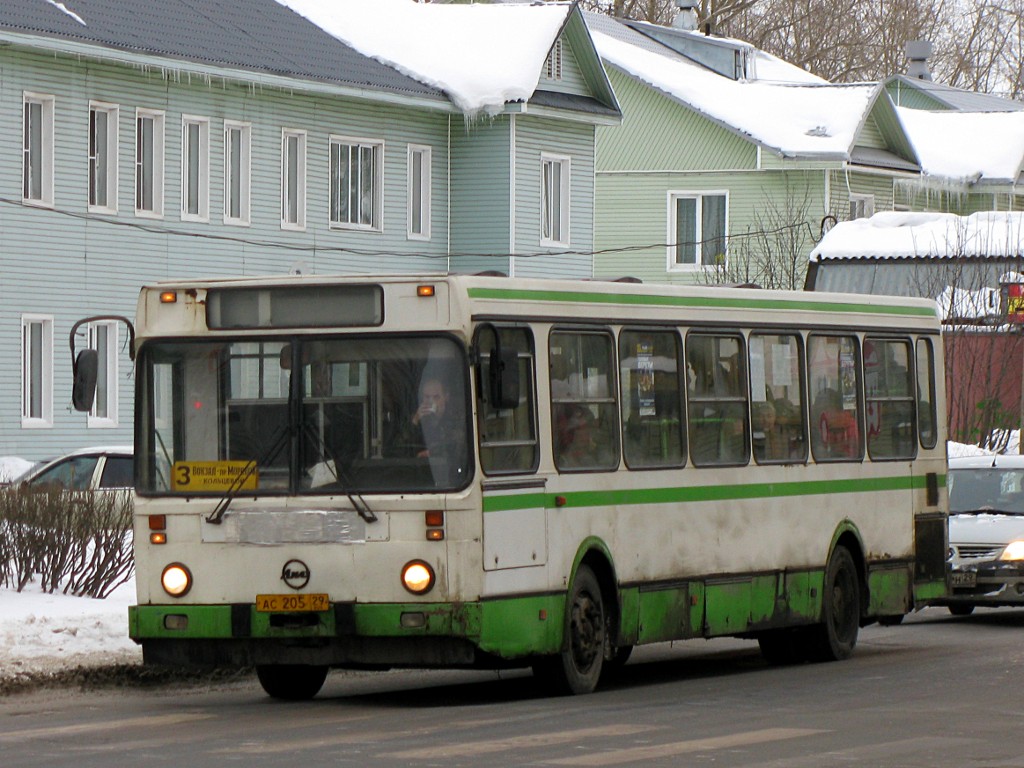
961,609
578,667
291,682
836,636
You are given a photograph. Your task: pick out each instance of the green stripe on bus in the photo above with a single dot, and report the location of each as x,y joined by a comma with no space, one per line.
697,493
719,302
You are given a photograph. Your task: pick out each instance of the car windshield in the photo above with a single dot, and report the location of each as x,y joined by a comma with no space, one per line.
322,415
986,489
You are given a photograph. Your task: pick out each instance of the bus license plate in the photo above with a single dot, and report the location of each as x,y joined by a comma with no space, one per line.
963,579
292,603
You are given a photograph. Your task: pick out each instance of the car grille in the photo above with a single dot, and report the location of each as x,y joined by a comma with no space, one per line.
977,551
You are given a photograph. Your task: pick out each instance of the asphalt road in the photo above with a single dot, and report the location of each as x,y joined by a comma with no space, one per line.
935,691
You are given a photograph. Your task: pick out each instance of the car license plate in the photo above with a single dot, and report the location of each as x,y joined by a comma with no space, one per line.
963,579
292,603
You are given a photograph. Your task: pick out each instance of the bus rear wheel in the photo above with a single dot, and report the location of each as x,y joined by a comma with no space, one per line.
291,682
577,668
835,637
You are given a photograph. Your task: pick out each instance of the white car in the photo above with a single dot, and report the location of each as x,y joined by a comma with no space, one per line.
108,468
986,532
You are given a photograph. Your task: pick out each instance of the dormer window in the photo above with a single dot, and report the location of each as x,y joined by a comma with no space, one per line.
553,66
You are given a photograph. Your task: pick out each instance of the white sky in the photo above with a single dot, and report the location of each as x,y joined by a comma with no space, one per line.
891,235
481,55
967,145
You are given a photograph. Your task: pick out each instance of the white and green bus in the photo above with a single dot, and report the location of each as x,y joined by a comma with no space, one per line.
485,472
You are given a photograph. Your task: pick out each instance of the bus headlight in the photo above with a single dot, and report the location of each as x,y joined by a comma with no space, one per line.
418,577
1014,551
176,580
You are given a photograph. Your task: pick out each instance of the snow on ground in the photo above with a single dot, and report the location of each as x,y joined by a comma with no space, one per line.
41,632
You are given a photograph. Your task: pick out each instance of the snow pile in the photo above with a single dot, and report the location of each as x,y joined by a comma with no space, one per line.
482,55
12,467
40,631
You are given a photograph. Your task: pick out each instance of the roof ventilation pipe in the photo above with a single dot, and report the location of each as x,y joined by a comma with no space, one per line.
918,52
686,15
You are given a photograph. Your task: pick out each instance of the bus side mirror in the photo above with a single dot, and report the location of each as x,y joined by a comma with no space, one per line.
503,372
83,390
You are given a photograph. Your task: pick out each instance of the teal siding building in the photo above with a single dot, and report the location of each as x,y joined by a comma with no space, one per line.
143,140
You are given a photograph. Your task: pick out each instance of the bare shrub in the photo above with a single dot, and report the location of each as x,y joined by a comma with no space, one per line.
76,542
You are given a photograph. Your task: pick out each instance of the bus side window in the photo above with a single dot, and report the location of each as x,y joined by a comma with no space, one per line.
779,424
717,406
651,396
890,408
584,412
508,436
836,423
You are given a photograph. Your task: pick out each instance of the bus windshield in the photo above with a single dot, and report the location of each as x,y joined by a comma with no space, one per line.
320,415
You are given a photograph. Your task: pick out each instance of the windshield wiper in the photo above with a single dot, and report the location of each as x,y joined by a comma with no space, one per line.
343,481
267,457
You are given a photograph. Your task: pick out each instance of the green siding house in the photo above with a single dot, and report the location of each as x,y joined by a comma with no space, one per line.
142,140
730,163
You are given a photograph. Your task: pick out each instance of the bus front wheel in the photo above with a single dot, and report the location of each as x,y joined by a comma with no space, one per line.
835,637
291,682
577,668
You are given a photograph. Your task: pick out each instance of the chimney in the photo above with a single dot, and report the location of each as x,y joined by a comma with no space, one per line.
686,15
918,52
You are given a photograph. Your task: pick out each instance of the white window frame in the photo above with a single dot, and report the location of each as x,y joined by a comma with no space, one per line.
298,220
103,154
861,206
419,192
157,160
376,148
202,193
672,264
44,149
106,379
37,374
554,212
244,138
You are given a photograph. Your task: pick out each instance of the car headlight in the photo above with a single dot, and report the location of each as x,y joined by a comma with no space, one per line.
1014,551
176,580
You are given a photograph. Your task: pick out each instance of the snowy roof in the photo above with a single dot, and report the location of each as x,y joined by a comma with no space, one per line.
481,55
245,35
967,146
898,235
795,113
949,96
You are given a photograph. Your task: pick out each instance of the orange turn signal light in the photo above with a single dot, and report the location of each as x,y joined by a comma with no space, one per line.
158,537
425,290
168,297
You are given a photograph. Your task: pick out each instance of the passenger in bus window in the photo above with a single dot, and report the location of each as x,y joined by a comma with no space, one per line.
767,440
574,436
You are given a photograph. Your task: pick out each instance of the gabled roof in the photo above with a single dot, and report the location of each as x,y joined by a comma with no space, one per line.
803,117
249,35
942,96
483,56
